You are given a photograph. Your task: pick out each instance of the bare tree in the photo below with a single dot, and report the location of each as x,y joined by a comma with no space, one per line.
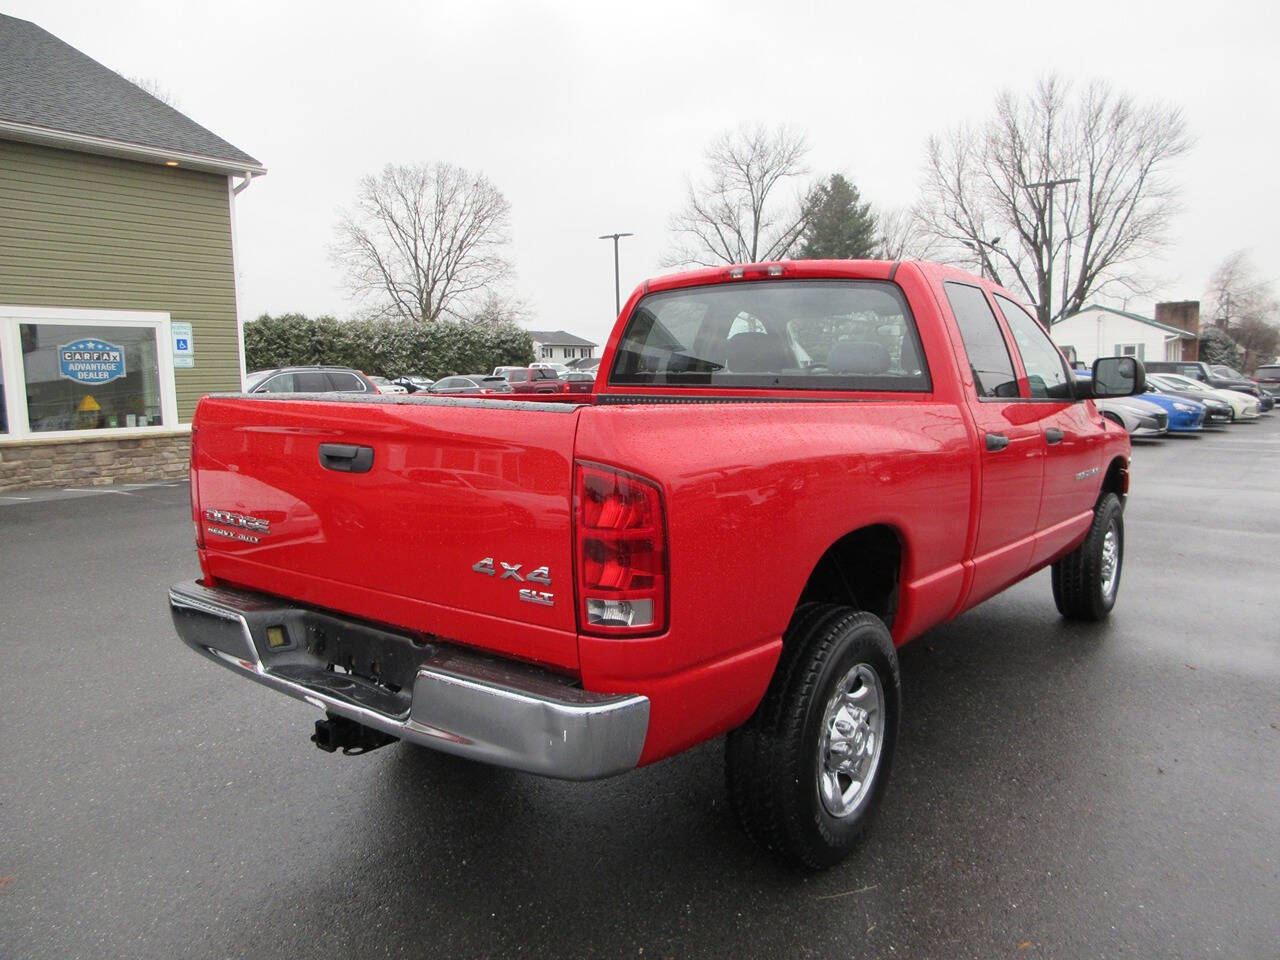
497,307
1236,294
742,212
977,202
1245,307
424,241
903,237
153,86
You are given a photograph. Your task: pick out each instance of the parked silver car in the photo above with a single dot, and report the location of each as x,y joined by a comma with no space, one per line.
1139,418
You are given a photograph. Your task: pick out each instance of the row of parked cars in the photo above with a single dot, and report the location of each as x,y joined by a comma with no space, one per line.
1188,396
536,378
1181,397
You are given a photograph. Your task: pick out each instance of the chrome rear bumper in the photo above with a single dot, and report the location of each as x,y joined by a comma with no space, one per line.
458,701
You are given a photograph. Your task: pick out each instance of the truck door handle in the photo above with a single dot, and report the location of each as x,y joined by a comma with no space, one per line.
1053,435
996,442
346,457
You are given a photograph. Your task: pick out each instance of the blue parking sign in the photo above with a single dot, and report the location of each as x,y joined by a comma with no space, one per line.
184,345
91,361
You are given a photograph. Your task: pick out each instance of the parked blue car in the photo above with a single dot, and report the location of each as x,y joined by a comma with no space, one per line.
1185,416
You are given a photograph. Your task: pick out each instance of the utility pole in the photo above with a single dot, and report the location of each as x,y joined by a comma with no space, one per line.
617,288
1049,186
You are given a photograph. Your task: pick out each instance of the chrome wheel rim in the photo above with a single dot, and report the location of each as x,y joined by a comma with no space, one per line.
1110,560
852,741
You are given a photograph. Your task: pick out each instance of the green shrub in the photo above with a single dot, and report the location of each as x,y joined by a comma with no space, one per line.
388,348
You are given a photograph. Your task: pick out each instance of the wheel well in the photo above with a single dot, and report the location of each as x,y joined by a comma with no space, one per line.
862,569
1117,479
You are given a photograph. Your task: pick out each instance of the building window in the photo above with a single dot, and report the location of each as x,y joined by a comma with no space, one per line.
89,377
1131,350
546,353
76,372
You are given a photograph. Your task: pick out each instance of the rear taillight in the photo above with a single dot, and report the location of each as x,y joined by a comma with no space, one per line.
194,492
622,552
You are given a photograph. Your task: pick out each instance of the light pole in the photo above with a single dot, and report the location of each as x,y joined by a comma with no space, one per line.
1048,278
993,244
617,289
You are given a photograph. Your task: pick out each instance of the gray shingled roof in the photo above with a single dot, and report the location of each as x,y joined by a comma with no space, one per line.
47,83
558,338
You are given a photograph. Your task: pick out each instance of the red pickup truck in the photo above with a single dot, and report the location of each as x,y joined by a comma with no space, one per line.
785,471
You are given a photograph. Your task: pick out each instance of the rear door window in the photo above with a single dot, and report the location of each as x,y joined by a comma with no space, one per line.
280,383
517,376
311,381
984,343
1046,370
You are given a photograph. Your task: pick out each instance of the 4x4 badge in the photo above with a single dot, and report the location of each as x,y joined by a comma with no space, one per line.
511,571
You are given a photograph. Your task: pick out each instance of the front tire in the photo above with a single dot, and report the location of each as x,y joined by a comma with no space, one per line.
1087,580
807,772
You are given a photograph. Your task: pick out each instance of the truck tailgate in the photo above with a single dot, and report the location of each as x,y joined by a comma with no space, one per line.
459,528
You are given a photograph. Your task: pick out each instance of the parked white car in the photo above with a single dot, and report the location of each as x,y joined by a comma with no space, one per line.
559,368
386,386
1243,406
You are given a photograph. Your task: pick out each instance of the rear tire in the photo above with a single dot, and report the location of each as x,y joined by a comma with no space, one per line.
807,772
1087,580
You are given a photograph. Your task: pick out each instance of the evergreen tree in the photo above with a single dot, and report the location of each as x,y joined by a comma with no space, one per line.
841,226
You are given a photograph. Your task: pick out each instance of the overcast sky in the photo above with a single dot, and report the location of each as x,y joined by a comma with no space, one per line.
589,116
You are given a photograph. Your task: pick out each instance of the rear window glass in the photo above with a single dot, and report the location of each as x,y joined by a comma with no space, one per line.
1269,373
346,382
782,334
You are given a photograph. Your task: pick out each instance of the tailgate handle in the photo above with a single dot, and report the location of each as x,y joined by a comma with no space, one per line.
346,457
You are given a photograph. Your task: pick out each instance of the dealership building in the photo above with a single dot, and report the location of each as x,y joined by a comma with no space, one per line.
117,270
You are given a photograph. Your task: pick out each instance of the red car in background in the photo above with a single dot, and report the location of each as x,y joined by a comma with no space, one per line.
578,381
529,379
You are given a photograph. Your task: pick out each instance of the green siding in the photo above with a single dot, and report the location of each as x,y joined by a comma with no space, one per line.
83,231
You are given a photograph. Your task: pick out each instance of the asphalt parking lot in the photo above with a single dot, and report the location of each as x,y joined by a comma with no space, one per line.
1060,790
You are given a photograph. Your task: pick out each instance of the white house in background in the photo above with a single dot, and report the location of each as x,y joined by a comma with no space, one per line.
556,346
1107,332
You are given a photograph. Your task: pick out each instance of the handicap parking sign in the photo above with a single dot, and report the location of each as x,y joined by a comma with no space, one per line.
91,361
184,346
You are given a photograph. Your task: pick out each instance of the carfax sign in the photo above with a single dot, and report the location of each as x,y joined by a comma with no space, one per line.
91,361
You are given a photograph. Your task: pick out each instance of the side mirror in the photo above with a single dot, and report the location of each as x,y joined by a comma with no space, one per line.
1118,377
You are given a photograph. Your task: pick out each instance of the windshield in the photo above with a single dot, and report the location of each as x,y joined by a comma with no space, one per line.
799,334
